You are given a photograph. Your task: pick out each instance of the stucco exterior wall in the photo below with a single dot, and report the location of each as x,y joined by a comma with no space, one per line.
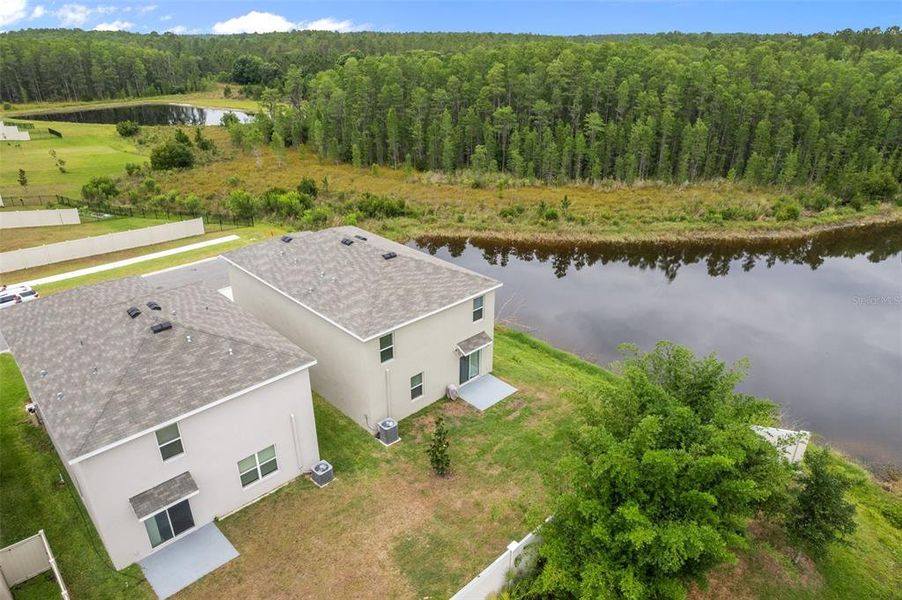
214,441
348,372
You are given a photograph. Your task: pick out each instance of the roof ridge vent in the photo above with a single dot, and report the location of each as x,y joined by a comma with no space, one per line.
133,311
389,255
161,326
347,241
360,237
286,238
152,305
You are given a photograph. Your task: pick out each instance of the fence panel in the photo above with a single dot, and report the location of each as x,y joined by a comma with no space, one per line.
38,218
29,558
494,578
101,244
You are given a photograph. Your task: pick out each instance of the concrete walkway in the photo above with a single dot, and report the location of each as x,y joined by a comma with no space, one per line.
129,261
485,391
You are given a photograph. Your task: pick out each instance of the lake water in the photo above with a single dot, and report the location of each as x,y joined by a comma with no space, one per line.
143,114
820,321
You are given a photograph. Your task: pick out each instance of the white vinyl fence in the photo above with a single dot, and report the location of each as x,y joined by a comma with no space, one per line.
518,557
25,559
39,218
101,244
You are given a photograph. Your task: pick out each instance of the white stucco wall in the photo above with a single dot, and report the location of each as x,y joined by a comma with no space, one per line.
348,372
214,441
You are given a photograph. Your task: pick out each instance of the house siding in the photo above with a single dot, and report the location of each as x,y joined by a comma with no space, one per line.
349,373
214,441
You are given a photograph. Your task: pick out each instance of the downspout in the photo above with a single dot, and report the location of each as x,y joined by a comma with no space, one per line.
387,393
297,447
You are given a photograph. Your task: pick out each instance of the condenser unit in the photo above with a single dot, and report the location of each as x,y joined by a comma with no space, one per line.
322,473
388,431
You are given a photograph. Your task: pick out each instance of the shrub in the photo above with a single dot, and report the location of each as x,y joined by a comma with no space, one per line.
127,128
133,169
373,206
308,186
99,190
551,214
787,208
317,217
171,155
202,143
182,138
192,204
229,119
512,212
242,204
438,449
821,515
817,200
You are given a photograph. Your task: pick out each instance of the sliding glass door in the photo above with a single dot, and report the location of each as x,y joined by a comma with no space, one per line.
169,523
469,366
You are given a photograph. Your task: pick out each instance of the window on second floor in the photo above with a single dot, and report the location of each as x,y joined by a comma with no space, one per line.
478,304
169,439
387,347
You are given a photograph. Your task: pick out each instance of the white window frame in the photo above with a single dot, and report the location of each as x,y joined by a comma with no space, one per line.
421,385
170,442
391,347
165,509
481,308
256,467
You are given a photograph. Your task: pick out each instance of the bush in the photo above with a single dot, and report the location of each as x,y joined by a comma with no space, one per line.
182,138
242,204
787,208
192,205
817,200
127,128
229,119
373,206
133,169
171,155
551,214
308,186
512,212
438,449
99,190
317,217
821,515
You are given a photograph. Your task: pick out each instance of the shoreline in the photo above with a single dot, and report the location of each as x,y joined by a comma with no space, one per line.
688,237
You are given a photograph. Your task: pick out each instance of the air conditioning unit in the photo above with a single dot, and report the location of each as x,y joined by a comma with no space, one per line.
388,431
322,473
453,392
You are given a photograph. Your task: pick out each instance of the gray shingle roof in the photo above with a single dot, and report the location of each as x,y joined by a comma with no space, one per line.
159,496
353,285
99,376
474,343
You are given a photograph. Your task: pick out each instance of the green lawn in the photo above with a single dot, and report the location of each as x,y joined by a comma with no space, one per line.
386,518
26,237
89,151
32,497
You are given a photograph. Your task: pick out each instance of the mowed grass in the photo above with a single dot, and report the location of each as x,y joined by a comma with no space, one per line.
27,237
33,497
89,151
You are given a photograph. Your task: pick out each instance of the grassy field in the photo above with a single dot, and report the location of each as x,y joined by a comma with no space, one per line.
386,518
89,151
26,237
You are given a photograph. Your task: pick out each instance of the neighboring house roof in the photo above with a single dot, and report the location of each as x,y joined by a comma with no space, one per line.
100,377
353,286
160,496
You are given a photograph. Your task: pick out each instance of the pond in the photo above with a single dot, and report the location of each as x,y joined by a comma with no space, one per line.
143,114
820,320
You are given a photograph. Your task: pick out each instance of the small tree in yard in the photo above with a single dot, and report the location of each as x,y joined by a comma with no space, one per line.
821,514
665,475
242,204
438,449
23,179
127,128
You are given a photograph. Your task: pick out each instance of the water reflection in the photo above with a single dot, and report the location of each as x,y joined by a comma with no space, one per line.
820,320
875,243
143,114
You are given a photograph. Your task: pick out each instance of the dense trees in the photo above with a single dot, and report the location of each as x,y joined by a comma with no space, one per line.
778,109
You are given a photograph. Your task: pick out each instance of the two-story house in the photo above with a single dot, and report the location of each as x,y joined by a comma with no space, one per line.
168,408
391,327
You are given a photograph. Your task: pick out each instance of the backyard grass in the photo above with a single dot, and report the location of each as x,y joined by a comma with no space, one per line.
32,498
26,237
386,527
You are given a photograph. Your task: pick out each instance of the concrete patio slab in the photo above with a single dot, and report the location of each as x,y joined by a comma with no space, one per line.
485,391
186,560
